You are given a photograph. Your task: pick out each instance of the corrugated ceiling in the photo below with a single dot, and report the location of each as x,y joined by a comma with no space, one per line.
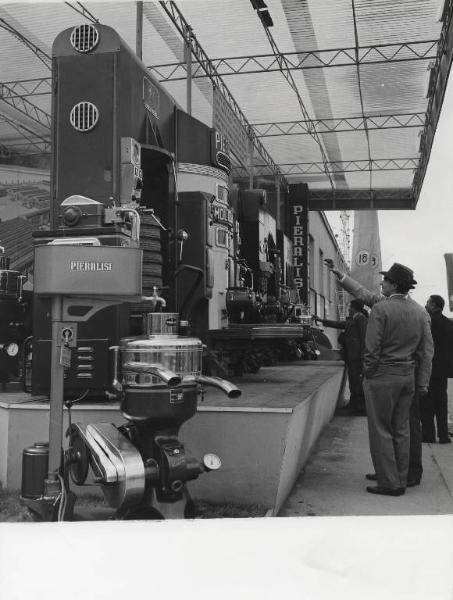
330,77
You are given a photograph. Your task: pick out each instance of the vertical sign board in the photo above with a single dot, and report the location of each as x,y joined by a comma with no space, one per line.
225,121
298,222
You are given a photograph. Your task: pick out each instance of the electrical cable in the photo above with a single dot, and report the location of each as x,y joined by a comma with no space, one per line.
365,124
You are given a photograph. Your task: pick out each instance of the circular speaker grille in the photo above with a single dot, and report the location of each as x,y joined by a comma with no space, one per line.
84,116
84,38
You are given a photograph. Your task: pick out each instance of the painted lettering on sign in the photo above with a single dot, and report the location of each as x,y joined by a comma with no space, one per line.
299,228
365,259
87,265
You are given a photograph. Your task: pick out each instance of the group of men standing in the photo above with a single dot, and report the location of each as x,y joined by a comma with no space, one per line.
395,370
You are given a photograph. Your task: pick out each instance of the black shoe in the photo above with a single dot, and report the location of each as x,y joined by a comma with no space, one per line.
371,476
413,483
446,441
350,411
429,440
383,491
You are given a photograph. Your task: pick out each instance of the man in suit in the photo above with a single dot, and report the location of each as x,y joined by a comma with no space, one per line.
398,338
354,329
435,404
356,289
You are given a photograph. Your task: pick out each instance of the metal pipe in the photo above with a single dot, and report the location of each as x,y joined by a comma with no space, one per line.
156,300
56,392
167,376
135,218
226,386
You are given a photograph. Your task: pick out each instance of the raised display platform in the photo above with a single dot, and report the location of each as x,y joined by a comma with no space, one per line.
263,438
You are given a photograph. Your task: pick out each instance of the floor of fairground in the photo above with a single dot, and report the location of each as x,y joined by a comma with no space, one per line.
333,481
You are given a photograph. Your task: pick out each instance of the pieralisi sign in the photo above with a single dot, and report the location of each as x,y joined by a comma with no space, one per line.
298,222
72,270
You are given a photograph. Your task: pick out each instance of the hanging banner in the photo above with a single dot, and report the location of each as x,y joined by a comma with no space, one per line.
298,221
225,121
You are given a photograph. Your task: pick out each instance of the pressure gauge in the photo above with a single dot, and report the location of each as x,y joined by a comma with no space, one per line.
212,462
12,349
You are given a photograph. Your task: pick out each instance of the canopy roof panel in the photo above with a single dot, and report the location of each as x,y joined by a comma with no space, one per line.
344,95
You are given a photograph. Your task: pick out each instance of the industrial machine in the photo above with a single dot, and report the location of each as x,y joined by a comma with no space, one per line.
141,466
120,139
267,322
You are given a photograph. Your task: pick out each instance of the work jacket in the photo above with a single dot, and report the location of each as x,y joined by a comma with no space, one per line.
354,335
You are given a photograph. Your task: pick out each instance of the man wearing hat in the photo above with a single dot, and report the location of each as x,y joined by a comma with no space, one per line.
399,351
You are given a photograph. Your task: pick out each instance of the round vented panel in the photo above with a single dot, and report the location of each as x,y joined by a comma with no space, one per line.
84,116
84,38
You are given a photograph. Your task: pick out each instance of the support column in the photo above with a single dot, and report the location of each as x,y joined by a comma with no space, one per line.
278,201
139,31
251,167
188,58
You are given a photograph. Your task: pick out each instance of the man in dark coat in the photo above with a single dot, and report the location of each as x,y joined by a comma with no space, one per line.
354,329
435,404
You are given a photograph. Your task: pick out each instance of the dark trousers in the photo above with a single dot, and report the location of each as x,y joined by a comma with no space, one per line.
435,405
357,400
415,451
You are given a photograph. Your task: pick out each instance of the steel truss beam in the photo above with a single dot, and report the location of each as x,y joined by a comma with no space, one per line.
24,106
29,87
33,139
210,71
312,59
339,125
284,68
26,148
437,86
82,10
341,166
362,199
40,54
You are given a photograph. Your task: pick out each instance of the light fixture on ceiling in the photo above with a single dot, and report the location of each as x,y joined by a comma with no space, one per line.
263,13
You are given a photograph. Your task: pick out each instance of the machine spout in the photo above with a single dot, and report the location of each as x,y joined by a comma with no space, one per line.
156,300
167,376
226,386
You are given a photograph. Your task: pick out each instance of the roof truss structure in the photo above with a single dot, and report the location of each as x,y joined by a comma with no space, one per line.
336,93
315,59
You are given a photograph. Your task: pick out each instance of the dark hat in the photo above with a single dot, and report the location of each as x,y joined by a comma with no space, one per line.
400,274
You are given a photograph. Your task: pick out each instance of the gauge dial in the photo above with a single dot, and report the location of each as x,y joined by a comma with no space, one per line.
12,349
212,462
